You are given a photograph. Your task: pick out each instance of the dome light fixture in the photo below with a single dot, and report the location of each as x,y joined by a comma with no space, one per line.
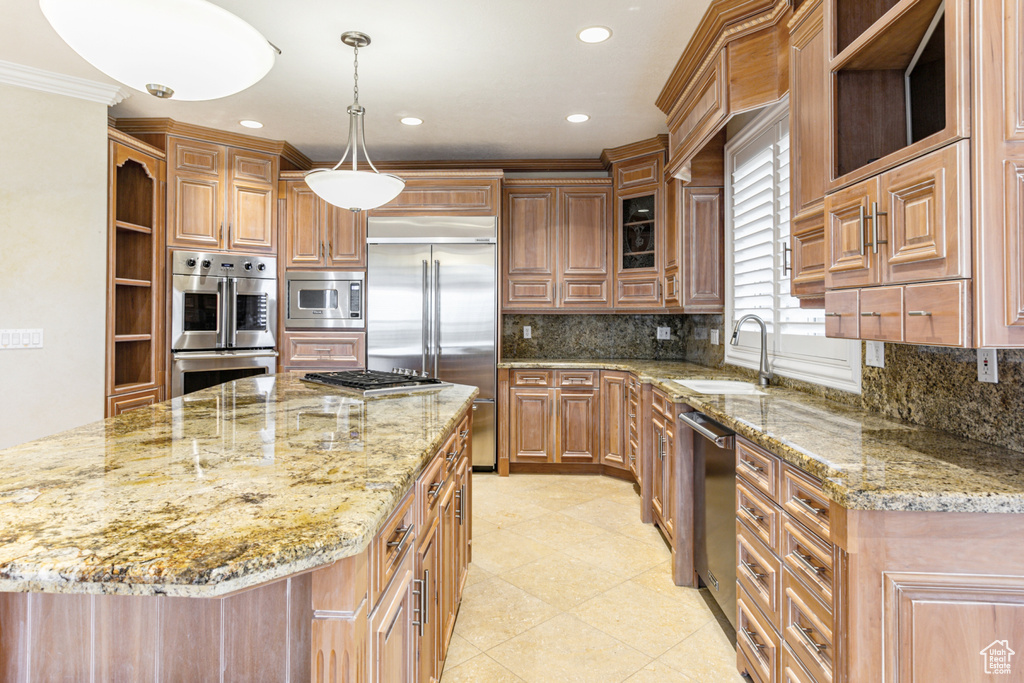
250,123
353,189
412,120
577,118
186,49
594,34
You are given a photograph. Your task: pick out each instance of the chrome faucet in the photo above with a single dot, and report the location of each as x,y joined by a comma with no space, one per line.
764,375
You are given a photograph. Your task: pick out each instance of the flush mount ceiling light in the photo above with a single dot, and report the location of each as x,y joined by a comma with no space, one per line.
594,34
411,120
186,49
577,118
355,190
249,123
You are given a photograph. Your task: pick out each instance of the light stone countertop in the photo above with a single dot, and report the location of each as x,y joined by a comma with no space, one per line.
866,461
213,492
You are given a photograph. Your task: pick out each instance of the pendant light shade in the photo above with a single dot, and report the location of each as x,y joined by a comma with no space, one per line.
353,189
185,49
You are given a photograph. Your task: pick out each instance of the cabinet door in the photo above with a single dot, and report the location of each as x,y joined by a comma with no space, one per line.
634,416
847,236
304,225
195,194
252,201
462,514
585,273
657,461
346,237
668,479
808,130
428,573
529,255
393,635
577,418
638,237
703,245
807,256
614,426
530,417
448,575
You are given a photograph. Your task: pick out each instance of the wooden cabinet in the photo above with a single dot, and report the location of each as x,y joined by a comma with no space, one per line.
555,253
558,423
392,632
122,403
639,224
445,193
221,198
577,419
663,474
428,573
634,417
531,424
695,249
317,234
322,350
615,435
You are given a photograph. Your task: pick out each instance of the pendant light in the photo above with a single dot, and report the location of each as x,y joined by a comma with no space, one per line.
185,49
354,189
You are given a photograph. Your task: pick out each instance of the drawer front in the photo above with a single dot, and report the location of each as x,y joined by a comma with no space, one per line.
756,639
639,173
842,314
758,572
807,628
577,378
662,405
937,314
810,560
759,468
428,488
881,314
452,451
761,516
324,350
391,543
792,671
531,378
463,431
803,499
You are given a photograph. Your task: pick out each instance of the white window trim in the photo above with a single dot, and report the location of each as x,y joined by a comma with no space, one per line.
842,374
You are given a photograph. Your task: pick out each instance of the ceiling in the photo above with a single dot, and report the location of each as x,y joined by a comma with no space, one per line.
492,79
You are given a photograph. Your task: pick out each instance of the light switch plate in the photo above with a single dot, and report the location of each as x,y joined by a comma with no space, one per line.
21,339
988,367
701,333
527,332
874,354
664,333
715,334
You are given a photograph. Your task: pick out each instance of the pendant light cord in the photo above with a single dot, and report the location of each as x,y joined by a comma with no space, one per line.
355,79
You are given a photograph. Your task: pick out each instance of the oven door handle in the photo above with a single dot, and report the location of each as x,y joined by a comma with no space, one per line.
202,355
222,305
232,312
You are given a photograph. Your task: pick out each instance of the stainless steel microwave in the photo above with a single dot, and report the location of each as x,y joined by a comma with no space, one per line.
324,299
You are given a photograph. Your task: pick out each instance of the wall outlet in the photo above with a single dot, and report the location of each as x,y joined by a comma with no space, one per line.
21,339
715,337
874,354
527,332
988,367
664,333
701,333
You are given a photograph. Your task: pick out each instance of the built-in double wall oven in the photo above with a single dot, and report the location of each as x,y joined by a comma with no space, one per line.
223,318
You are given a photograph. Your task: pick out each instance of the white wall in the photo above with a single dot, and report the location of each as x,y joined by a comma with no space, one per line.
53,236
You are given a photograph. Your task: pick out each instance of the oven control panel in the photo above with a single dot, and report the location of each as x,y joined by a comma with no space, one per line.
223,265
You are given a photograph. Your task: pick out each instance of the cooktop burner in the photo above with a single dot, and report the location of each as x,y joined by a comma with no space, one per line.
375,382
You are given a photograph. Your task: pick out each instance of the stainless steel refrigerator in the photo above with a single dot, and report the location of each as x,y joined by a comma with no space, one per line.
431,306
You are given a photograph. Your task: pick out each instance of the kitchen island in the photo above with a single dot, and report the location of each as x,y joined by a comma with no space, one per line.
230,530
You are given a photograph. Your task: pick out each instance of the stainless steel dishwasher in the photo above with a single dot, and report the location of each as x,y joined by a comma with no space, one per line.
714,456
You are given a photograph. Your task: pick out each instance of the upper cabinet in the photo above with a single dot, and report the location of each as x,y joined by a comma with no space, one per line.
452,193
221,198
317,234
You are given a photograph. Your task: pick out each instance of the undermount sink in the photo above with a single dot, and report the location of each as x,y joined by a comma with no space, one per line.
718,386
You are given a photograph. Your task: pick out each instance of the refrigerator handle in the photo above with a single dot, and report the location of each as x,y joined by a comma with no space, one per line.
425,334
437,314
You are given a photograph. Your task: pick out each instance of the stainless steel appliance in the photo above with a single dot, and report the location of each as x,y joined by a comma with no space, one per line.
223,318
325,299
431,306
375,382
714,456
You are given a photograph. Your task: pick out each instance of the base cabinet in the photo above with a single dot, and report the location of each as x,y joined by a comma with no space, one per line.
393,634
614,397
554,417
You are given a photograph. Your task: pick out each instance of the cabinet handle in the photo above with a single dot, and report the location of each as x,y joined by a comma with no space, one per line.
321,350
422,583
436,487
833,314
750,638
329,246
451,456
321,251
870,314
752,513
805,560
786,268
806,633
919,313
659,288
806,505
751,466
860,227
464,433
750,567
875,213
458,503
405,531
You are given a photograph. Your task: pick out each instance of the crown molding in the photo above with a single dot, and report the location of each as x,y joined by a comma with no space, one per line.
59,84
655,145
506,165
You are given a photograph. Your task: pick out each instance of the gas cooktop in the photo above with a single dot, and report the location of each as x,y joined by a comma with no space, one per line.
375,382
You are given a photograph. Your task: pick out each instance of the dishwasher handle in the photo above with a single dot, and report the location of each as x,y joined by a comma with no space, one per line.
709,429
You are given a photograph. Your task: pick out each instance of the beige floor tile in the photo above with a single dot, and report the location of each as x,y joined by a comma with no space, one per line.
561,580
504,550
707,655
459,650
657,672
477,575
494,610
566,649
618,554
560,496
556,530
478,670
648,621
604,513
481,527
505,510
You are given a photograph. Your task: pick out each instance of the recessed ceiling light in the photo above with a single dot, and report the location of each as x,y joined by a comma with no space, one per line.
577,118
594,34
411,121
249,123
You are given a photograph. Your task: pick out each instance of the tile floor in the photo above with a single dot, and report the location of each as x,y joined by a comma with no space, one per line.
567,584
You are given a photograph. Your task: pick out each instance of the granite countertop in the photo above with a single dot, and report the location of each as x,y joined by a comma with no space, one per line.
216,491
866,461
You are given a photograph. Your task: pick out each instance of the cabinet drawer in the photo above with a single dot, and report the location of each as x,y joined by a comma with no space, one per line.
531,378
428,488
760,515
577,378
756,639
807,628
133,401
804,500
881,313
452,451
842,314
323,350
808,559
391,543
791,670
759,468
759,572
937,314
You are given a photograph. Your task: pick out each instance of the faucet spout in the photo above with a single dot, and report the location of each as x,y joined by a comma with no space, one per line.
764,375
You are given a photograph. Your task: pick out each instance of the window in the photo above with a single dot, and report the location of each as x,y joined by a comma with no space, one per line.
756,237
